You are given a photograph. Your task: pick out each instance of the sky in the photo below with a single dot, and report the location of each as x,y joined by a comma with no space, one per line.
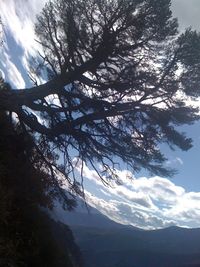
140,200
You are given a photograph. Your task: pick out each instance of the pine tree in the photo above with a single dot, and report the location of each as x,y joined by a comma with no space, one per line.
119,77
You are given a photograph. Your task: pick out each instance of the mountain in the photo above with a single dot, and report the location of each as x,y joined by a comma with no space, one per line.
85,216
126,247
105,243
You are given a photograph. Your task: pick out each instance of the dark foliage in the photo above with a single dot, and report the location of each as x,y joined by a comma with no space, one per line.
27,235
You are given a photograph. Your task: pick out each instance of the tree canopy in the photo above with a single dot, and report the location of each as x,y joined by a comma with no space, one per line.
118,79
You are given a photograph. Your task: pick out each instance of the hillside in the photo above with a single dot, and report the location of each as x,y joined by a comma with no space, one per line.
105,243
174,247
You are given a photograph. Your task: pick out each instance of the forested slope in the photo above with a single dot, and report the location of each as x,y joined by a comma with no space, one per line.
28,237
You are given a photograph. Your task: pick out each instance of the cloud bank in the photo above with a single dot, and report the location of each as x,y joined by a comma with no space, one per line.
148,203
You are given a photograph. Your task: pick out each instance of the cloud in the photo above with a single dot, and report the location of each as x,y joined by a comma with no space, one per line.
125,213
179,160
14,74
138,198
19,18
148,203
86,172
2,74
176,161
105,193
187,13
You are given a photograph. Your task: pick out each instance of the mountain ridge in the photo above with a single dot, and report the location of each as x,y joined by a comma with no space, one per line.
105,243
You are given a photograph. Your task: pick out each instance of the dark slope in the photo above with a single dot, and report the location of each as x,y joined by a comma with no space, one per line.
171,247
105,243
28,237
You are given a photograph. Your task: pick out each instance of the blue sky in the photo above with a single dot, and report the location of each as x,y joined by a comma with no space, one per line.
147,202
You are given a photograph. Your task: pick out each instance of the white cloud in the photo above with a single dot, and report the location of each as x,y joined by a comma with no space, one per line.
176,161
14,74
148,203
2,74
19,17
138,198
179,160
90,174
105,193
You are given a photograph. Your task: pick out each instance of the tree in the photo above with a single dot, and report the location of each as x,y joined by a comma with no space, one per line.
119,77
28,237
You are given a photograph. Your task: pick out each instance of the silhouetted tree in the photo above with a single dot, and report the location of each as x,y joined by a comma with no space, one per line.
119,77
28,237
